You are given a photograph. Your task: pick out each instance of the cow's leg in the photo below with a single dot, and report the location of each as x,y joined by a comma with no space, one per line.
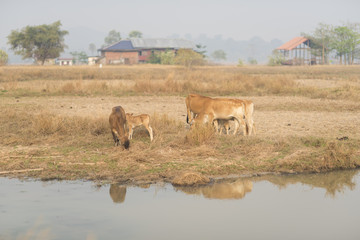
251,126
254,128
237,124
150,132
116,139
227,127
245,127
130,131
216,125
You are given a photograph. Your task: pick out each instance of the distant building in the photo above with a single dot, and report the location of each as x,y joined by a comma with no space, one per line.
92,60
139,50
297,52
64,61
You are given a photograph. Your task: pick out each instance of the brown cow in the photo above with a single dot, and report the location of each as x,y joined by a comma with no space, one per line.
117,120
135,121
201,107
194,105
222,108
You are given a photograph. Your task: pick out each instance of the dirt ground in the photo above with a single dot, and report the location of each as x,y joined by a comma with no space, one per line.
273,116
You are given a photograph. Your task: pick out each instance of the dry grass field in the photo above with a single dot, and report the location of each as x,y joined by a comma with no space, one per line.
54,121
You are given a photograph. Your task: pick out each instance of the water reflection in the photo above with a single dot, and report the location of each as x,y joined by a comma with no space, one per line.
277,205
332,182
117,193
220,190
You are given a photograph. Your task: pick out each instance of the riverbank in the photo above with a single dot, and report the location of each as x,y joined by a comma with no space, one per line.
59,129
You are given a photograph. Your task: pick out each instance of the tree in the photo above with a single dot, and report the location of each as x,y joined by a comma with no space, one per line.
201,49
154,58
276,58
355,41
219,55
321,40
346,42
167,57
252,61
38,42
112,37
80,57
188,58
3,57
135,34
92,48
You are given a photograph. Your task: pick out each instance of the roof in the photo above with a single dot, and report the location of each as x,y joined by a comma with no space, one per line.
161,43
149,43
121,45
293,43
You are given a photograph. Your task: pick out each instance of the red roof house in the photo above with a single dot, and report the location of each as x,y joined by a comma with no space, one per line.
297,51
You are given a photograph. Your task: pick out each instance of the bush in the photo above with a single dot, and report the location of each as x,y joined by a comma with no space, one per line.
240,63
276,59
189,58
3,58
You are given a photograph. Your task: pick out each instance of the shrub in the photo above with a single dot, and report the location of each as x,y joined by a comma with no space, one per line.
3,58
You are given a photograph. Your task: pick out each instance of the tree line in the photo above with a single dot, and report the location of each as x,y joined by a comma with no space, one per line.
341,42
47,41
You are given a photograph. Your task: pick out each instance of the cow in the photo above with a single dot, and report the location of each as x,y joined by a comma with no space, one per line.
117,120
135,121
222,108
196,104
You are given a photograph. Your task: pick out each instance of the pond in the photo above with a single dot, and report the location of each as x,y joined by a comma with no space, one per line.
313,206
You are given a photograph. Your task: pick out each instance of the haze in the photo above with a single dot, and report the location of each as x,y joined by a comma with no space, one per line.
90,21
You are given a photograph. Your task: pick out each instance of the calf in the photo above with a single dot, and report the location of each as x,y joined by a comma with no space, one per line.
135,121
117,120
222,123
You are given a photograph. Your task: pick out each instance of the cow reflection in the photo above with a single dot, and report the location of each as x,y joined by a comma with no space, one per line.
117,193
222,190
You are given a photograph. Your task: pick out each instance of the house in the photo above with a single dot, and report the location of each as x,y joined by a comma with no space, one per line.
297,51
64,61
139,50
92,60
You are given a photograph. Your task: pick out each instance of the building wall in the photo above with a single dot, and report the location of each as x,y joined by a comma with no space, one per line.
92,60
121,57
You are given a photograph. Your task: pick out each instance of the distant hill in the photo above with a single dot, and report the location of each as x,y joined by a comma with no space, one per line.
255,48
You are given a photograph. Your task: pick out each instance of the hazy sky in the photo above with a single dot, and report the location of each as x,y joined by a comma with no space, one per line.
237,19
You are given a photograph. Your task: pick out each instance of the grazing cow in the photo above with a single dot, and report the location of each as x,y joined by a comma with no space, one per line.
135,121
117,120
